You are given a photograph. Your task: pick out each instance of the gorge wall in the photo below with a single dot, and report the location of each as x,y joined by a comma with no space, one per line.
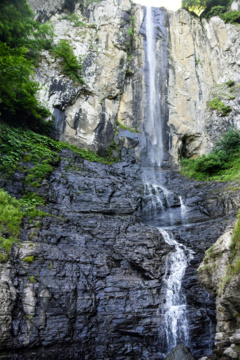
97,270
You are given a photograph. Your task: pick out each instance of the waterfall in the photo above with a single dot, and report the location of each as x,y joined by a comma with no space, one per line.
165,209
158,199
175,327
153,127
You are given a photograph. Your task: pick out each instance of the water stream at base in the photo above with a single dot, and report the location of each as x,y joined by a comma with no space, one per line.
159,201
174,310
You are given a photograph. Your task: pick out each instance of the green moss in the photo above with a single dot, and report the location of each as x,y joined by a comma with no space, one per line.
3,257
230,83
93,1
32,279
72,17
208,268
28,259
125,127
218,105
29,317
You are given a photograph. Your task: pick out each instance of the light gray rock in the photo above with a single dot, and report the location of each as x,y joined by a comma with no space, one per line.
199,58
235,5
203,57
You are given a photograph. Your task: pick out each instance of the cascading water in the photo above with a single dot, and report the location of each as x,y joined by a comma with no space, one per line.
175,327
158,200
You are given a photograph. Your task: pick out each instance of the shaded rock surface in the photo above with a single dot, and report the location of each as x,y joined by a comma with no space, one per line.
93,290
180,352
96,270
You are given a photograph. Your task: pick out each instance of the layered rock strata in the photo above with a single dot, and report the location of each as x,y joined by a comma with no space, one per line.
93,289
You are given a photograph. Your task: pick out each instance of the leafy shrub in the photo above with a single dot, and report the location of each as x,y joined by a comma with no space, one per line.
216,11
20,145
11,216
231,17
17,90
206,5
223,162
230,141
208,163
70,64
209,8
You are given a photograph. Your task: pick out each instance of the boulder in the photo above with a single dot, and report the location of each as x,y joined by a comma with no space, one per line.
180,352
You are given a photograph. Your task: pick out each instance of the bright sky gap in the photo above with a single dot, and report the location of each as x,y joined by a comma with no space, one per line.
169,4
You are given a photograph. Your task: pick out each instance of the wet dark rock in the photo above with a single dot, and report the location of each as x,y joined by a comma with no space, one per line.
97,269
180,352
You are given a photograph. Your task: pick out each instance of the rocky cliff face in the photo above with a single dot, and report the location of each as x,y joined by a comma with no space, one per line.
204,56
200,58
93,290
214,274
86,115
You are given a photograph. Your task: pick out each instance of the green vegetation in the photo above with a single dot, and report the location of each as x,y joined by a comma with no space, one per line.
11,215
74,18
223,162
71,66
209,8
34,157
231,17
12,212
126,127
21,40
19,146
230,83
93,1
217,104
29,259
32,279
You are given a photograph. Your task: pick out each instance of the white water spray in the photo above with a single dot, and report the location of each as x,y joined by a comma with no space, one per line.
183,211
175,325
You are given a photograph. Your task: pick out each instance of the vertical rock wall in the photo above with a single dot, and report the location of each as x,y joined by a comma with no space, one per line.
204,55
109,36
86,115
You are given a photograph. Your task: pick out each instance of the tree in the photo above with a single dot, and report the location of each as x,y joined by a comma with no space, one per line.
21,40
204,5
